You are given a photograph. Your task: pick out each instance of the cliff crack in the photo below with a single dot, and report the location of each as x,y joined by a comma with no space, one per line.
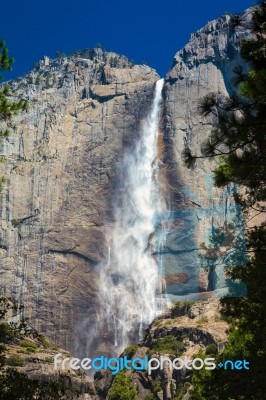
73,253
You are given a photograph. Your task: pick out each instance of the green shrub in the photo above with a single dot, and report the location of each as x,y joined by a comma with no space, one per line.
155,388
151,396
122,388
130,351
183,303
179,304
30,350
166,345
44,342
113,62
15,386
181,390
7,333
28,344
22,351
202,321
14,361
211,349
15,222
2,355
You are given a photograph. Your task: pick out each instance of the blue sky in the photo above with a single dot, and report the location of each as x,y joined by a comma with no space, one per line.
143,30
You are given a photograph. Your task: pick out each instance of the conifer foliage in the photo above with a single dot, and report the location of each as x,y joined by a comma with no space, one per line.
239,141
8,108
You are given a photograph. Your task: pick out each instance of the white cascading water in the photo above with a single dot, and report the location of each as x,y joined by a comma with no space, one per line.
130,279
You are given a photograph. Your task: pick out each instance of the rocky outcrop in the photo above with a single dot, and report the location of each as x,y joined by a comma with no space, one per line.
60,172
36,364
194,327
27,366
200,322
183,331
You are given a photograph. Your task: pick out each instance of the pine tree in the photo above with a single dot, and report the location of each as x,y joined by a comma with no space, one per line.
239,141
238,138
8,108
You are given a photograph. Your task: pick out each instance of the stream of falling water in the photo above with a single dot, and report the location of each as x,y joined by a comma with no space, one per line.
130,279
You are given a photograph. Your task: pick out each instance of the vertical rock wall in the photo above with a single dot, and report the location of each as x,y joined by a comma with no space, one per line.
198,209
61,169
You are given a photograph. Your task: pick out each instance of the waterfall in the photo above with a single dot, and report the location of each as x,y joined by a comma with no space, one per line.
130,279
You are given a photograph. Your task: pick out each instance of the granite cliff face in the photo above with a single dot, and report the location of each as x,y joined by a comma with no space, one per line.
61,168
206,64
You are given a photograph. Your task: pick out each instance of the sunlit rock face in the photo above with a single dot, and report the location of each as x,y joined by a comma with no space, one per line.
198,209
61,173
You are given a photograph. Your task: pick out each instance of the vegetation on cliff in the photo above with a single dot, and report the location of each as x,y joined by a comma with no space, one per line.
122,388
14,384
26,363
239,140
7,108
